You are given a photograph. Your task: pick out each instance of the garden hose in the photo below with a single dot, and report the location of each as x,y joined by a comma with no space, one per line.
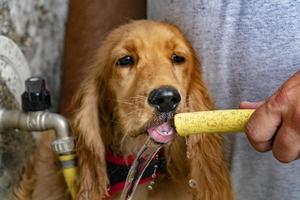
70,172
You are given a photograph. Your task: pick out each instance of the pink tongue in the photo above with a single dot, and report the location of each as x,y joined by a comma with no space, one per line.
162,133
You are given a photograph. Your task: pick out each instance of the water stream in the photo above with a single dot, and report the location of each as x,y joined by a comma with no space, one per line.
142,160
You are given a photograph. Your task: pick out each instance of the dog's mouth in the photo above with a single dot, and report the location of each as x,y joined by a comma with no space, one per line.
160,127
162,133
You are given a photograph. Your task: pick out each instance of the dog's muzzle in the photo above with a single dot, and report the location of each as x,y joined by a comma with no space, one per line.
164,99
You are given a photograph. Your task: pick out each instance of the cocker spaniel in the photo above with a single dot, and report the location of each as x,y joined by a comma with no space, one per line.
144,73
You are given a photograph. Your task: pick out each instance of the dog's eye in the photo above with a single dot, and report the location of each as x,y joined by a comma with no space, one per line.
125,61
176,59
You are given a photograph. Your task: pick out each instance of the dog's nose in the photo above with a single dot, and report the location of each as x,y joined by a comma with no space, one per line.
164,99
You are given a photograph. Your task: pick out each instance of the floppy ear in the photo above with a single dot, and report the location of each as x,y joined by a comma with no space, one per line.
208,173
90,124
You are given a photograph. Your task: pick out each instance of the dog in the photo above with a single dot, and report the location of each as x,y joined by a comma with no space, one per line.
144,73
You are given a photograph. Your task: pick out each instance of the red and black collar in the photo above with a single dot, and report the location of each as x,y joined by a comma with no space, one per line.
118,168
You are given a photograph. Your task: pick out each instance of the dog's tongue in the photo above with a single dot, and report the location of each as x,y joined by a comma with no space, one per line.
162,133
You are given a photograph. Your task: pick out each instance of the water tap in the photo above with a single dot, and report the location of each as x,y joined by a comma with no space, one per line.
36,117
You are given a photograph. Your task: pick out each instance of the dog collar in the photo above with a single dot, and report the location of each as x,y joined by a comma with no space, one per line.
118,168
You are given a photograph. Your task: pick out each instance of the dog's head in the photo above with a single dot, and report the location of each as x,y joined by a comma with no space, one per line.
144,73
150,76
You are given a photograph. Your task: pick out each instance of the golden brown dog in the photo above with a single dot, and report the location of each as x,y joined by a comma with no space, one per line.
144,73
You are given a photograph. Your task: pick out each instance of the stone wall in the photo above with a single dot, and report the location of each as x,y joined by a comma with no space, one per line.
37,27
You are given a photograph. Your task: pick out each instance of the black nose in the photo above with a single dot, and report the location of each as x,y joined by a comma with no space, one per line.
164,99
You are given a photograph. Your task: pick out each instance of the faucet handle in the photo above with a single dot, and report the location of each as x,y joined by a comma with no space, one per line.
36,97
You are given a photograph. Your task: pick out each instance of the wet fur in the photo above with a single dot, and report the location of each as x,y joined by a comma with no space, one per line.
113,115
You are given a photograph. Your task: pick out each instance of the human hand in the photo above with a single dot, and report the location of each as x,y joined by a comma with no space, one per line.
275,125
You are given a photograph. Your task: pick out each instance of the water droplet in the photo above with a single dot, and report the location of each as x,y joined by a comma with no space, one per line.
192,183
188,155
186,141
131,179
150,187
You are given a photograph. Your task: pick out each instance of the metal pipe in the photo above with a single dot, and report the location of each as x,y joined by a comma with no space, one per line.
34,117
39,121
64,145
34,121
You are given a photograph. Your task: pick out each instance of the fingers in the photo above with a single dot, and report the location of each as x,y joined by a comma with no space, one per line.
286,147
250,105
286,144
275,125
263,124
261,146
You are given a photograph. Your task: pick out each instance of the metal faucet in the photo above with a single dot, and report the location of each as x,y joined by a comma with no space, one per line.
36,117
40,121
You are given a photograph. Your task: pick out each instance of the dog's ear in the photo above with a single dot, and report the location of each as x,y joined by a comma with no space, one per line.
90,123
198,97
208,173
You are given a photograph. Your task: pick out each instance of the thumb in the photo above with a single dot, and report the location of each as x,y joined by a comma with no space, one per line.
250,105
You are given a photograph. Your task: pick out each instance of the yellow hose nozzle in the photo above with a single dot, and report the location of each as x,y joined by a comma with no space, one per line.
70,172
217,121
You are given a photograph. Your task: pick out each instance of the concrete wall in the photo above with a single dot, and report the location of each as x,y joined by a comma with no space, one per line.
37,27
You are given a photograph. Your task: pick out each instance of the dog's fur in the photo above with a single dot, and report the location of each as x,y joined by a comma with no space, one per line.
113,115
